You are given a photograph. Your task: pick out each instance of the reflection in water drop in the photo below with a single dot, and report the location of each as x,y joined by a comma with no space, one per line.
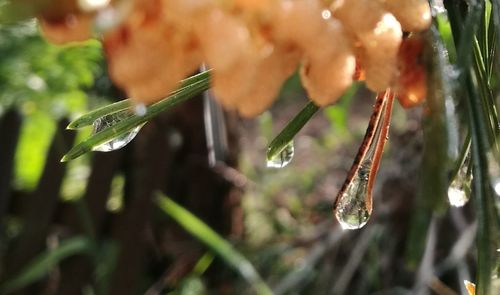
283,158
460,188
353,205
496,186
353,211
109,121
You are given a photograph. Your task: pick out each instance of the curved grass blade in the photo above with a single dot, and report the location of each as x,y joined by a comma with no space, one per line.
127,125
279,143
215,242
89,118
46,261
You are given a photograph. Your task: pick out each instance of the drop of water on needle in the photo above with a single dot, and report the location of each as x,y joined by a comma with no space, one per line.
353,206
460,187
283,158
352,210
109,121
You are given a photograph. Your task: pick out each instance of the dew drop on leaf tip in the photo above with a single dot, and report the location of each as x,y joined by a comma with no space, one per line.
352,209
457,196
459,189
109,121
283,158
353,206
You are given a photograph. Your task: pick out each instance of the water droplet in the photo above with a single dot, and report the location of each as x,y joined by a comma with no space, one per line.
109,121
353,209
283,158
353,205
496,186
460,188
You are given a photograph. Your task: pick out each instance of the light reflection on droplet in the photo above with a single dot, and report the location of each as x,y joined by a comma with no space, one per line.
496,186
460,188
353,206
283,158
457,197
352,210
109,121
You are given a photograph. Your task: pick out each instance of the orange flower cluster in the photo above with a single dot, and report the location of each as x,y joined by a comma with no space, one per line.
252,45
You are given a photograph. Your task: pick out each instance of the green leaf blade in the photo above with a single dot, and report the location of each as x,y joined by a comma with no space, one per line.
196,85
216,243
42,264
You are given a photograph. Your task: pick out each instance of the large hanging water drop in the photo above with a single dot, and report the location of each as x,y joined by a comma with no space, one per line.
283,158
109,121
353,206
352,209
460,188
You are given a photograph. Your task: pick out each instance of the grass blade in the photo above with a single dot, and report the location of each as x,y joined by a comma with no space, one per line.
89,118
287,134
487,216
46,261
482,120
216,243
127,125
